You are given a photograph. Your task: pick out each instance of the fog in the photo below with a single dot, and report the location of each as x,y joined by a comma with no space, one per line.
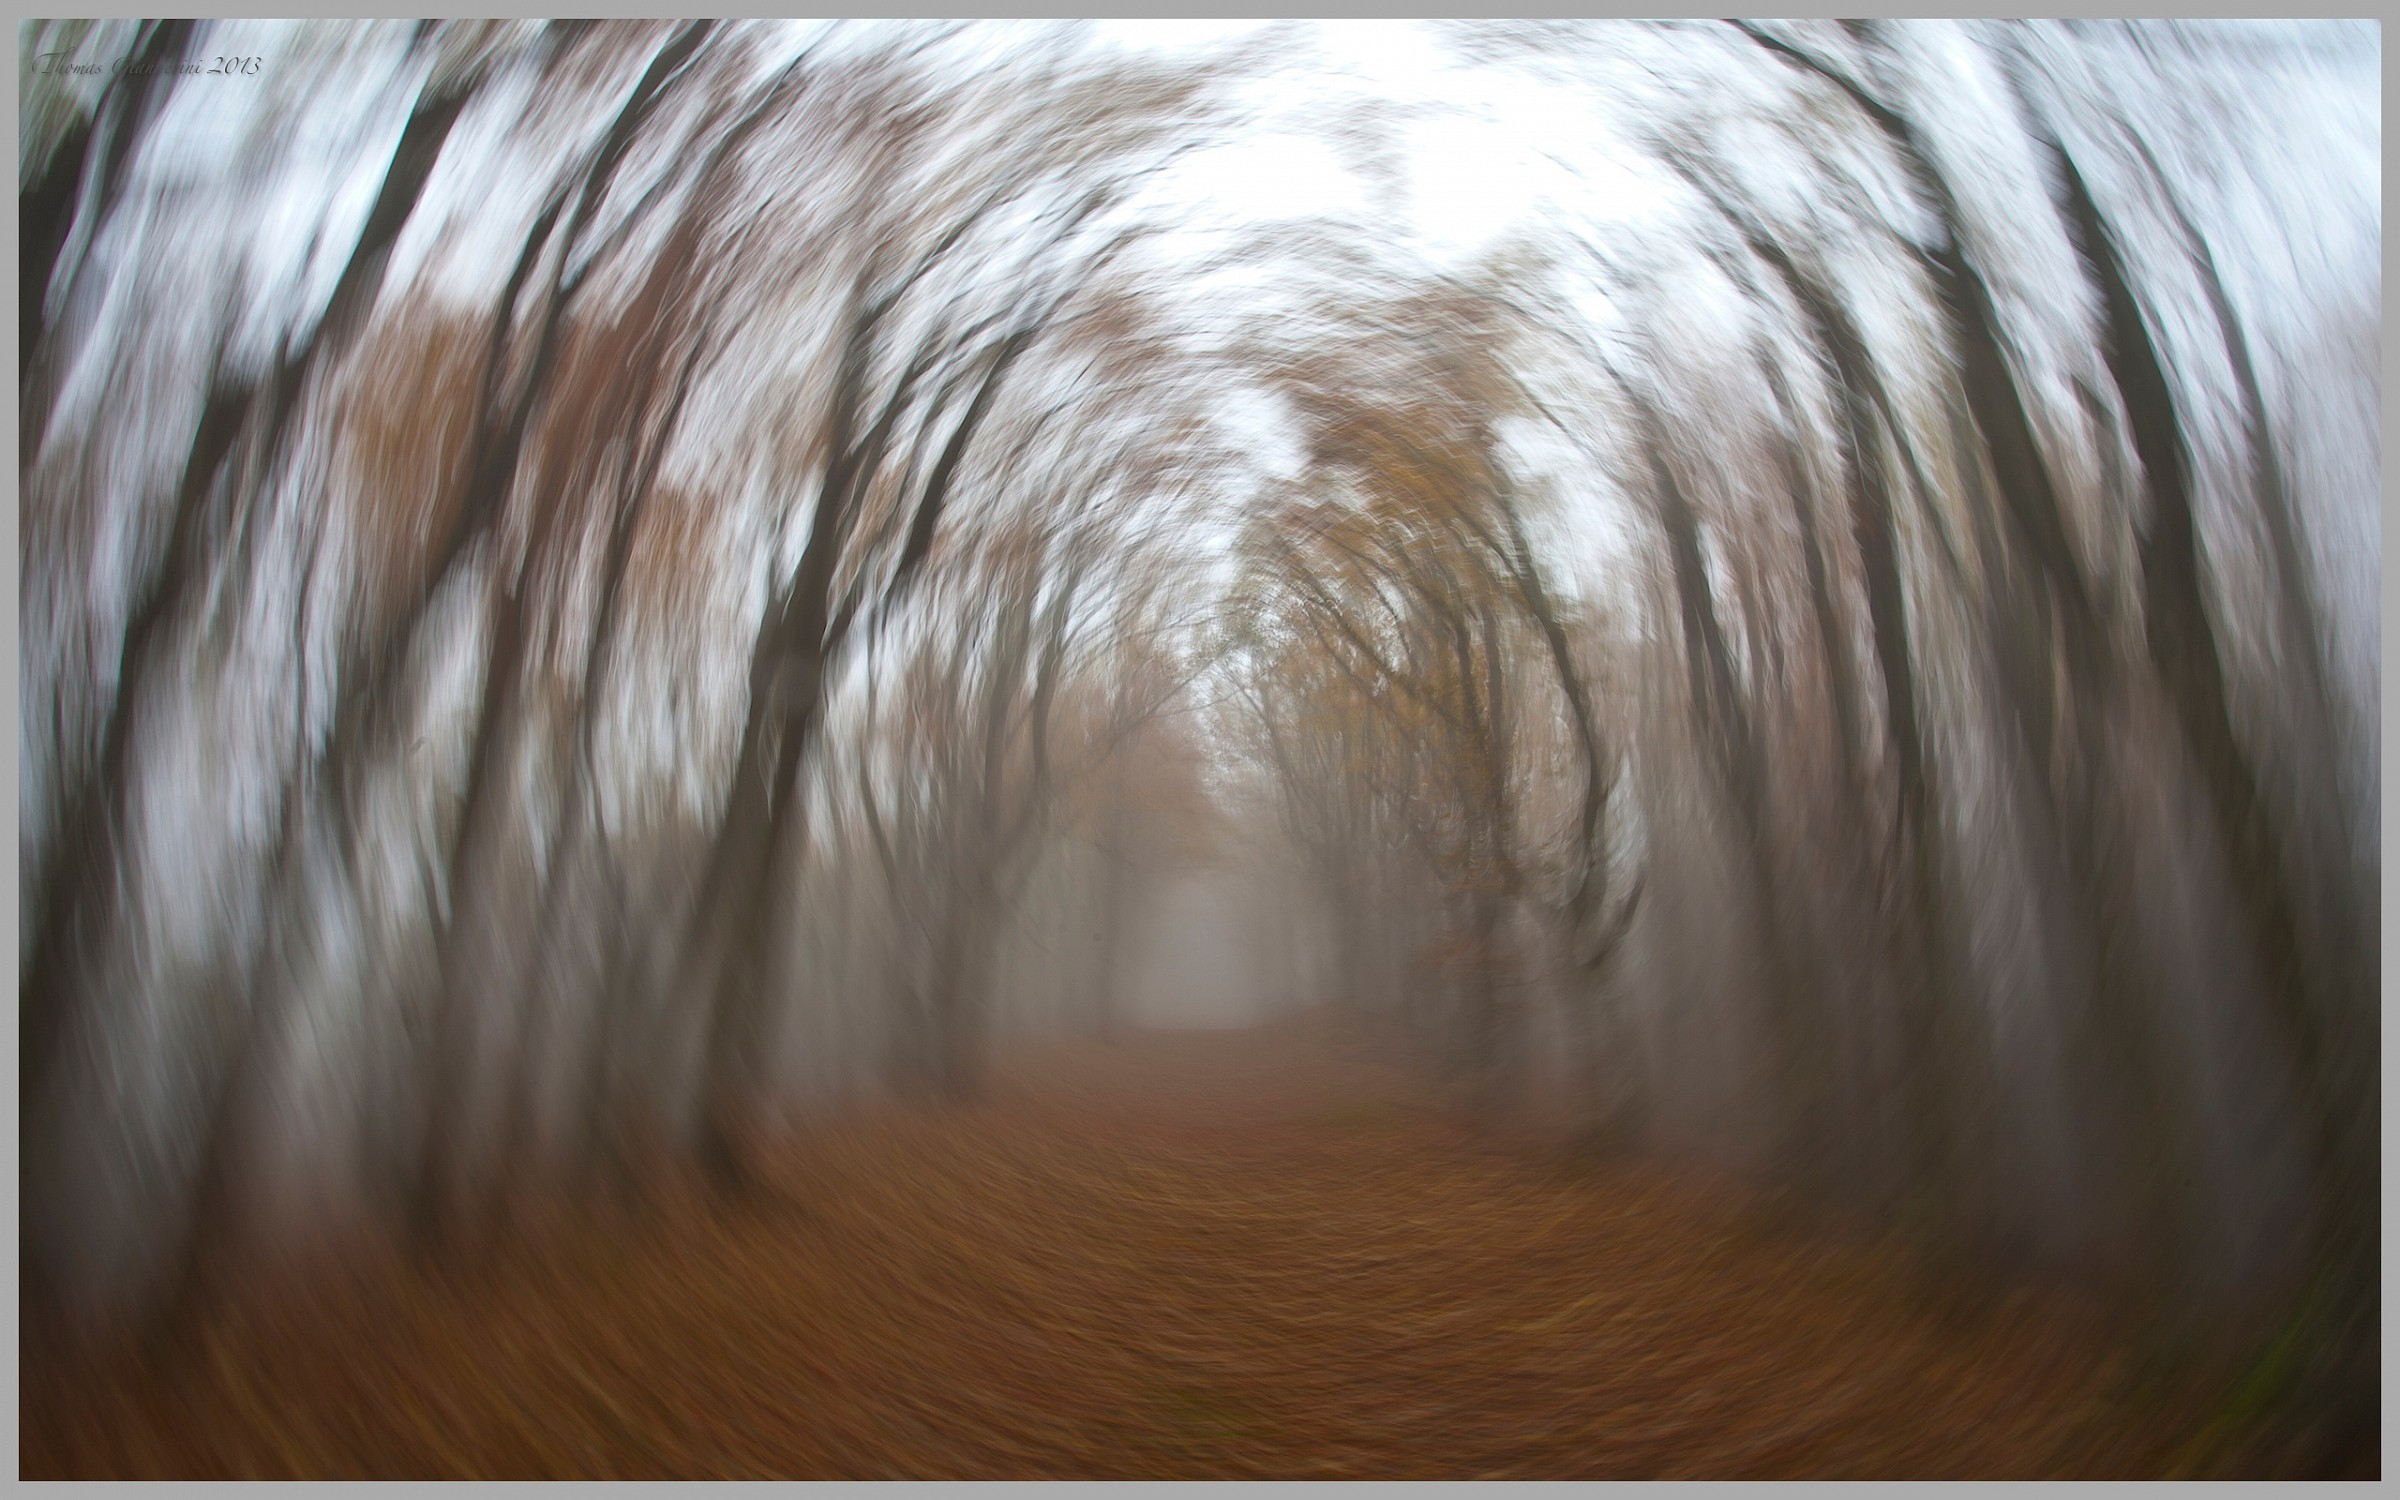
1199,961
1798,597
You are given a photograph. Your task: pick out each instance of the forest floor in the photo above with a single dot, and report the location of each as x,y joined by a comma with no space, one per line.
1251,1254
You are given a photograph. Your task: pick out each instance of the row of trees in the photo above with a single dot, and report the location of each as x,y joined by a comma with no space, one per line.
444,593
1930,792
1411,678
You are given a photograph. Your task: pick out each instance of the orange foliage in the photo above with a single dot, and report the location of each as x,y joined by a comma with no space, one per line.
409,420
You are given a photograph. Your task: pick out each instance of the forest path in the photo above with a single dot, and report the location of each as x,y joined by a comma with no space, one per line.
1257,1253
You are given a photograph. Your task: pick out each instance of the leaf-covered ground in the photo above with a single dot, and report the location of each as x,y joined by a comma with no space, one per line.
1230,1255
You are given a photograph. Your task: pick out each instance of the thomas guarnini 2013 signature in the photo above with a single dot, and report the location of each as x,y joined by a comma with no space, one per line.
128,66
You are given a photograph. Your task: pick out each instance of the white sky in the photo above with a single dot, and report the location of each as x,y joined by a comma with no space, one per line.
1481,151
